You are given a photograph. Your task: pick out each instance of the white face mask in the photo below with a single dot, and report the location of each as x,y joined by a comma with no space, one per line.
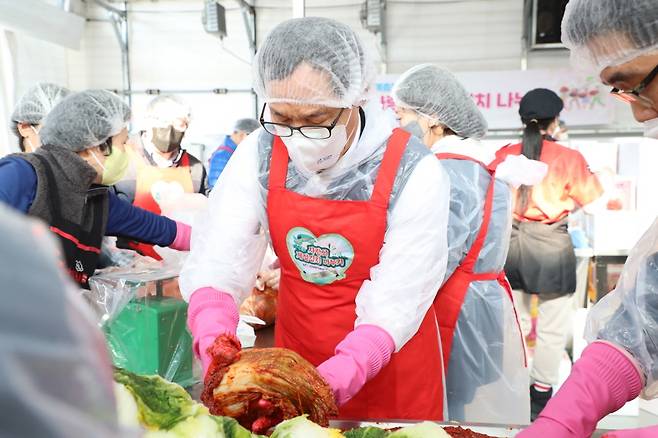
315,155
29,142
651,128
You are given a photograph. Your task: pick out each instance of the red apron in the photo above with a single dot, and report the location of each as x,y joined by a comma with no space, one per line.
326,249
451,296
147,176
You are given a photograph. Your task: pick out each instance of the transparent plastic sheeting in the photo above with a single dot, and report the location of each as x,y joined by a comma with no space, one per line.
487,359
55,378
628,316
144,318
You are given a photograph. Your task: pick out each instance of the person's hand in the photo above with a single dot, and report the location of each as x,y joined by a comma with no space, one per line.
269,279
359,357
183,237
601,381
210,313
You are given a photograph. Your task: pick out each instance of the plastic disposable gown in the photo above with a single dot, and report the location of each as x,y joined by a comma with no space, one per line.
628,316
487,378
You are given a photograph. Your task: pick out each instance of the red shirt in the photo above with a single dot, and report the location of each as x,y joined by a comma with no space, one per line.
568,185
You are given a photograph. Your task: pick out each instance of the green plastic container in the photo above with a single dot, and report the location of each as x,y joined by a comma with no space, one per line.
150,336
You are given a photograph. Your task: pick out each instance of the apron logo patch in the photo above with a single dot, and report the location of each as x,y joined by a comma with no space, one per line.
78,266
320,260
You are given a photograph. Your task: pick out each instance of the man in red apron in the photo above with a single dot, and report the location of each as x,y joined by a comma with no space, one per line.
482,343
357,215
159,168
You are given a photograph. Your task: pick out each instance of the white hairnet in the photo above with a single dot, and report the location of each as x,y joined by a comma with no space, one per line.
33,106
321,44
246,125
84,120
436,93
601,33
165,110
55,375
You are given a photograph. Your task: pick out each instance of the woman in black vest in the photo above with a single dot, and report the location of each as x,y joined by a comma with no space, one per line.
65,182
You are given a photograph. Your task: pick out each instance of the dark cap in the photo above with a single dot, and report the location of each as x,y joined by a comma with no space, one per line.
539,104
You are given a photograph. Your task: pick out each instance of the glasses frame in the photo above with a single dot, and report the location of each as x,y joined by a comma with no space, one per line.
299,128
633,95
106,148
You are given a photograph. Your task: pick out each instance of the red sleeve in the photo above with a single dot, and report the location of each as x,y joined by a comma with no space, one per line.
584,186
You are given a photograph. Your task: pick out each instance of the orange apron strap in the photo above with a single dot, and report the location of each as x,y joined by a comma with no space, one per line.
451,156
502,279
500,157
278,165
474,253
388,170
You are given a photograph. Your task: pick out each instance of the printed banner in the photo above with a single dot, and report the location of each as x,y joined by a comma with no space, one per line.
498,93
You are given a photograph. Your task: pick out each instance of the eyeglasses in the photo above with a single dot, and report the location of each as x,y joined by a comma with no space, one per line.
634,96
106,148
314,132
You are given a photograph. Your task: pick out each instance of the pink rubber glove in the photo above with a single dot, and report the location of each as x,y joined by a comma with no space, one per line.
359,357
601,381
183,235
647,432
210,313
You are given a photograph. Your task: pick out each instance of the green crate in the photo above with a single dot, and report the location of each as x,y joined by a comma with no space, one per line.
150,336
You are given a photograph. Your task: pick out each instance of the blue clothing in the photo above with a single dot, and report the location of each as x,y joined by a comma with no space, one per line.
18,186
219,159
18,183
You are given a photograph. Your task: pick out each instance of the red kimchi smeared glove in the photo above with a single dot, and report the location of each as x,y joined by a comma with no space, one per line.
601,382
210,313
183,236
359,358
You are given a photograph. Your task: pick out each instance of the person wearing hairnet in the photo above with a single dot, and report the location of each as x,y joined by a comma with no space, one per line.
160,169
222,154
156,156
345,198
618,40
65,182
483,347
541,259
31,109
55,374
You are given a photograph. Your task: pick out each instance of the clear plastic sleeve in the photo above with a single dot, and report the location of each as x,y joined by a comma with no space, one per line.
144,318
628,316
55,377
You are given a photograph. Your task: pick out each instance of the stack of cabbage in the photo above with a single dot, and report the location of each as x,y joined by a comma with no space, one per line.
166,410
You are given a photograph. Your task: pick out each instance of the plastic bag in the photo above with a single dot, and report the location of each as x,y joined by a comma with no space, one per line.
144,319
628,316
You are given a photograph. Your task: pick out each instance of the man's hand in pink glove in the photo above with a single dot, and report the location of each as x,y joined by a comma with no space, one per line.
601,381
210,313
183,236
647,432
359,358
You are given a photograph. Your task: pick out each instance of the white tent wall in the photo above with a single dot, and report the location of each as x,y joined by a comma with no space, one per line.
170,51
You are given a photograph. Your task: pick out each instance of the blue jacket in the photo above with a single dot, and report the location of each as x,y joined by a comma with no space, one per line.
219,159
18,185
